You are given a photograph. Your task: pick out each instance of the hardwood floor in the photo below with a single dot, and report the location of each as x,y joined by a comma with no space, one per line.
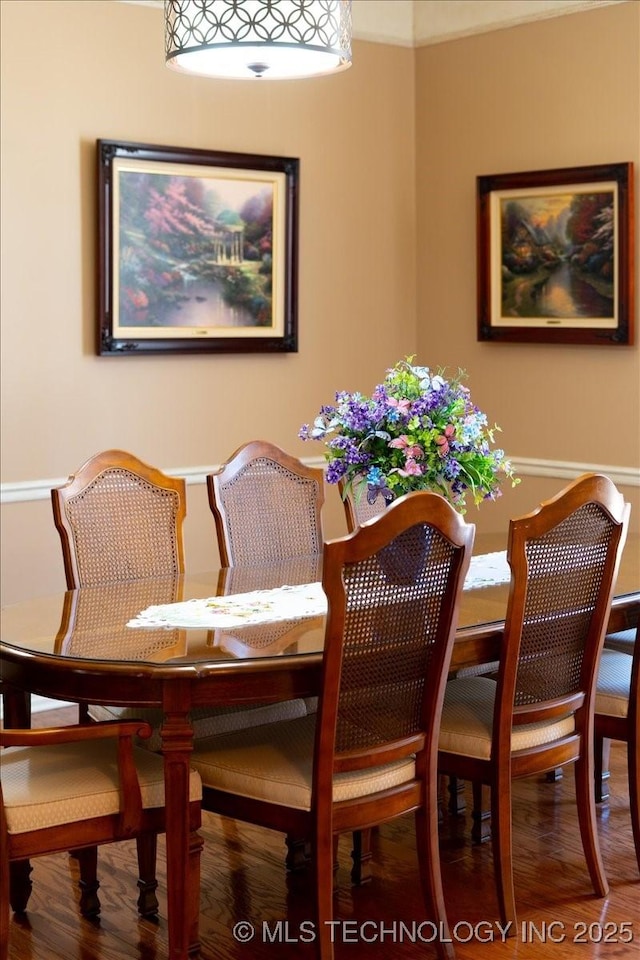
243,878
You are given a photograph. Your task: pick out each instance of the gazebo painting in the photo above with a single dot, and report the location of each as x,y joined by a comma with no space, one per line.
194,251
197,250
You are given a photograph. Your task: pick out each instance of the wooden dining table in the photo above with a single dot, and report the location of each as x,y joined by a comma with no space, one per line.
78,647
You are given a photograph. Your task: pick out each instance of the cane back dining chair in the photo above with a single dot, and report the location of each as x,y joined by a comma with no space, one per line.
119,519
359,509
369,753
538,715
71,788
617,717
267,507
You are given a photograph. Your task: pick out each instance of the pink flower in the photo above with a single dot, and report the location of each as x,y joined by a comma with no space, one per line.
443,441
411,469
400,443
401,406
414,453
411,451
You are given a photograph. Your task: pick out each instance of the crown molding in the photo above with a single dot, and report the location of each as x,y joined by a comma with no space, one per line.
437,21
418,23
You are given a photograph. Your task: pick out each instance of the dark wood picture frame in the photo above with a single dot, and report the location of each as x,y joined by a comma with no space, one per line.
197,249
555,255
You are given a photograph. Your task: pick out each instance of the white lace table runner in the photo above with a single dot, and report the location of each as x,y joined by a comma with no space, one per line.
488,570
238,609
284,603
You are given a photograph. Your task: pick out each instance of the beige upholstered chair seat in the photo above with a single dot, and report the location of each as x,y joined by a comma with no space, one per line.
480,670
206,721
614,683
274,763
624,641
71,782
467,721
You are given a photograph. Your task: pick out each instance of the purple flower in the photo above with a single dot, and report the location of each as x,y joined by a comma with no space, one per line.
417,431
336,471
451,468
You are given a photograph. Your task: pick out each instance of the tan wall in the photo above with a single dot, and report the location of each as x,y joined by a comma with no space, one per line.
370,142
91,70
563,92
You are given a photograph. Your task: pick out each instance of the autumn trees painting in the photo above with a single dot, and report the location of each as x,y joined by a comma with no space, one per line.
558,255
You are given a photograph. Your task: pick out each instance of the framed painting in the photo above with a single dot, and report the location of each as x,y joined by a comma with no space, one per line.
555,256
197,251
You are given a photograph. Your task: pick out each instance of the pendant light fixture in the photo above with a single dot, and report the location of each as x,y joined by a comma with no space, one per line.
267,39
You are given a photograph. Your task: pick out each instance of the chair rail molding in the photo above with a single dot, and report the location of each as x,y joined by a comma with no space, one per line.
23,491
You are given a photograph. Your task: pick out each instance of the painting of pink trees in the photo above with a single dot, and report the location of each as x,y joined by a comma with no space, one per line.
194,252
196,246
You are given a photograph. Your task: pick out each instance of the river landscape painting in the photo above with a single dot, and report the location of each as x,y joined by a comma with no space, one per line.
197,249
555,256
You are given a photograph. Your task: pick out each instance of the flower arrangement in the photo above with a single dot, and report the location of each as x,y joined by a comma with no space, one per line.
418,431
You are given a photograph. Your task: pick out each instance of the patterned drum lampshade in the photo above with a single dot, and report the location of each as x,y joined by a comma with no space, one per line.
268,39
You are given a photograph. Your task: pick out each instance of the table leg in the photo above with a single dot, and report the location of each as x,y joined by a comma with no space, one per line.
16,707
183,884
457,803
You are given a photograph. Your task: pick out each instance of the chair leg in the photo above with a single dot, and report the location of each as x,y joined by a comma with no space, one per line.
147,848
601,754
481,813
430,874
4,922
89,884
323,865
4,899
361,857
633,762
503,848
585,800
19,885
298,853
